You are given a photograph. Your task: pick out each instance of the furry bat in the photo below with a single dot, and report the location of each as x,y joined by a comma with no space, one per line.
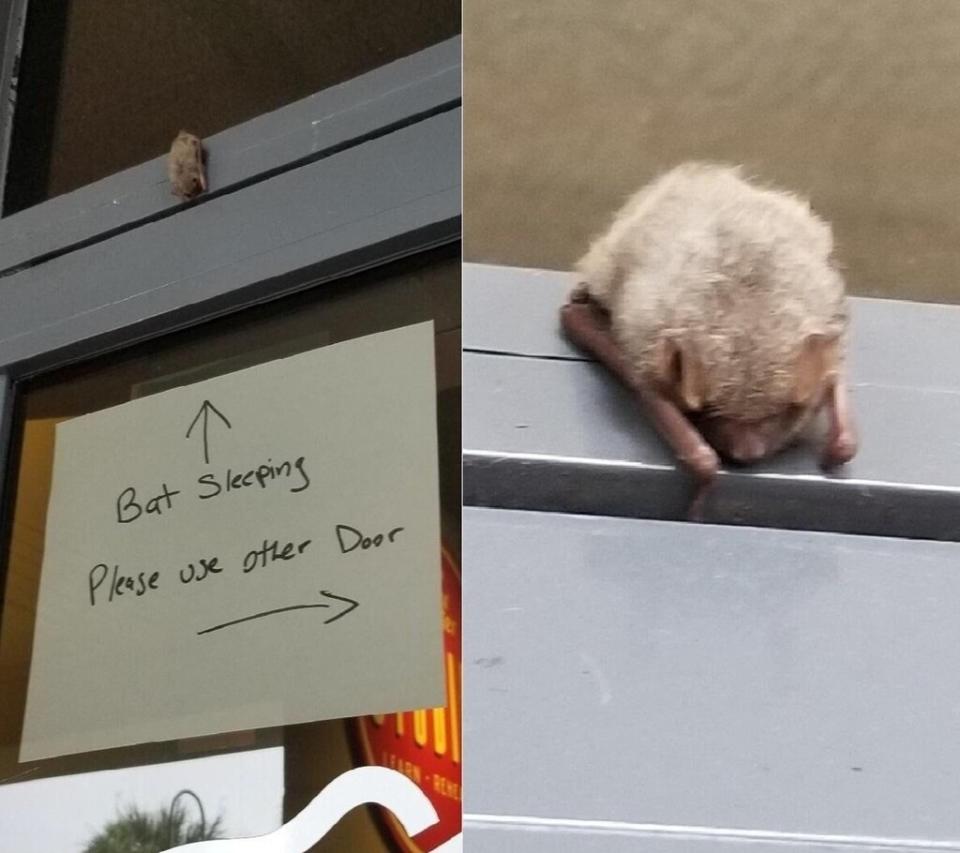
718,303
186,166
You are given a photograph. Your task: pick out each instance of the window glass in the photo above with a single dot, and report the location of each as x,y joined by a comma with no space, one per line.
93,806
280,770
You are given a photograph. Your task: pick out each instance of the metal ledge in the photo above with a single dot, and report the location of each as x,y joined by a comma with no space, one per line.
519,836
382,199
320,125
706,687
546,429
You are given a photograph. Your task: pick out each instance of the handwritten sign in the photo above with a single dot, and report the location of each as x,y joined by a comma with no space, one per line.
254,550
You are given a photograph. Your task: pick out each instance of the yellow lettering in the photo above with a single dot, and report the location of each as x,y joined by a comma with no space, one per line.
440,731
420,727
453,691
446,787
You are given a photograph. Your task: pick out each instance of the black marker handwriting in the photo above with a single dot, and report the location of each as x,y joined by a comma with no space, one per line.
353,606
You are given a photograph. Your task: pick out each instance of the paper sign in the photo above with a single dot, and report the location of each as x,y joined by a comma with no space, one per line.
254,550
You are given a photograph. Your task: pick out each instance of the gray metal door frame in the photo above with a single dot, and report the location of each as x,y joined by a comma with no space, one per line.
765,682
348,179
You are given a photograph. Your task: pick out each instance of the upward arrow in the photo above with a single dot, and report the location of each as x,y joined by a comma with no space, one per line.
204,415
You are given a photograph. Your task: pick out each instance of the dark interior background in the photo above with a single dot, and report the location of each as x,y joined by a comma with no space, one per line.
107,84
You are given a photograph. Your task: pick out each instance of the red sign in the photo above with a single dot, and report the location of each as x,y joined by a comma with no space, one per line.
425,745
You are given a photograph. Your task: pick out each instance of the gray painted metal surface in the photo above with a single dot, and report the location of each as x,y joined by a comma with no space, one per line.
893,343
315,127
551,430
383,198
590,837
657,686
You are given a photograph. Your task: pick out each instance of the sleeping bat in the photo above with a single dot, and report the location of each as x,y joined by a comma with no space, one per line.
717,301
186,166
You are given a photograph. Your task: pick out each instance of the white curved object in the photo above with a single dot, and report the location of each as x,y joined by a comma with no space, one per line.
358,787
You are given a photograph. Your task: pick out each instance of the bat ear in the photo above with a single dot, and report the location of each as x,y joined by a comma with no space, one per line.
817,359
683,371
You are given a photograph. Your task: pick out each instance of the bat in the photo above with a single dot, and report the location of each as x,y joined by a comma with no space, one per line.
186,166
718,302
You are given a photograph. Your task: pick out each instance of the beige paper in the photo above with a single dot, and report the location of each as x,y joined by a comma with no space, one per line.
279,565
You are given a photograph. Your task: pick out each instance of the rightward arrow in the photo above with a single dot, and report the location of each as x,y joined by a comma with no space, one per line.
204,415
352,605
